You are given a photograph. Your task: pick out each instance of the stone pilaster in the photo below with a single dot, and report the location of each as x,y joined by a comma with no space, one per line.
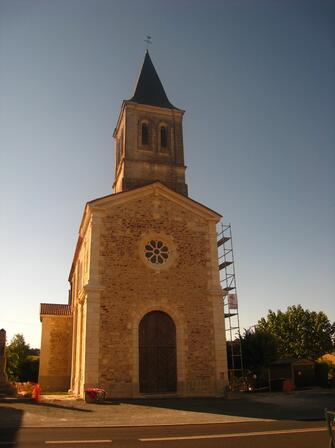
92,336
93,291
94,278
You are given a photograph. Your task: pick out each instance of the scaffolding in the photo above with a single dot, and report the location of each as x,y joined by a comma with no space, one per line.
230,302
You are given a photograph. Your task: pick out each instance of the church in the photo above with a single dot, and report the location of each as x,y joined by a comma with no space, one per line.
145,314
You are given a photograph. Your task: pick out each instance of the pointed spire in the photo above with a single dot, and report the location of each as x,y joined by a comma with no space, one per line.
149,89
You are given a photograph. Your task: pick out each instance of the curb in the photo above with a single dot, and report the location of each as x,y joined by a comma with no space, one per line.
140,425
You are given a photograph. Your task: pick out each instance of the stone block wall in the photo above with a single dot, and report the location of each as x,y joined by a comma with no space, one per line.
55,364
138,165
188,290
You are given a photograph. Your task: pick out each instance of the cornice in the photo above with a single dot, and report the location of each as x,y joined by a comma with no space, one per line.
156,188
146,108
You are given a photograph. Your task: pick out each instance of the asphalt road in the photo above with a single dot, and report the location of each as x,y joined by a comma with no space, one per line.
270,434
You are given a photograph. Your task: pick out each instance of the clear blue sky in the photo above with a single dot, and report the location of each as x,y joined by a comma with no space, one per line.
256,78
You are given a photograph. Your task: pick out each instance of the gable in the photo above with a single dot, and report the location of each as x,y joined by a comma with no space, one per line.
158,190
127,198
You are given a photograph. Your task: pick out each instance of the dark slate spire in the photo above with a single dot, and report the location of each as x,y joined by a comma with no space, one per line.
149,89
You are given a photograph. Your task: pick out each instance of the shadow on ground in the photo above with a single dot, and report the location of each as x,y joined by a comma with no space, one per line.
45,404
271,406
13,419
59,406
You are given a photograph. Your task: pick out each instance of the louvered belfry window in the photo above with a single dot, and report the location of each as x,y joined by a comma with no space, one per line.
145,134
163,137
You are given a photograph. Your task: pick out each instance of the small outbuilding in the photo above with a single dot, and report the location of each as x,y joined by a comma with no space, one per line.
300,371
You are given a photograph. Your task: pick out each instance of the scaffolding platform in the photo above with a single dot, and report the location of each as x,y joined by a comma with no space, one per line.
222,241
225,264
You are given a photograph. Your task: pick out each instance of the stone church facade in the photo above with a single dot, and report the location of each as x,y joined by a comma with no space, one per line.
145,313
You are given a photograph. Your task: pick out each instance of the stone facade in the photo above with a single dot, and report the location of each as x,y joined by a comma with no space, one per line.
122,287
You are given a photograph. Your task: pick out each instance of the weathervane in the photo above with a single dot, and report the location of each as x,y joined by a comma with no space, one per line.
148,41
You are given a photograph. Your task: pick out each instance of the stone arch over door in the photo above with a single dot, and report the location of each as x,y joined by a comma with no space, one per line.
157,353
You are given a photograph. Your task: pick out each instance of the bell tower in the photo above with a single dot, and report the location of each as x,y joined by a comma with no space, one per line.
149,137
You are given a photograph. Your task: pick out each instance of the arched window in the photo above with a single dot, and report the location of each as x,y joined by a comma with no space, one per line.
119,148
79,276
145,134
163,137
121,143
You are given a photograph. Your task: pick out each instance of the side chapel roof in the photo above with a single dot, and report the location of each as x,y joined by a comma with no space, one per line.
149,89
55,309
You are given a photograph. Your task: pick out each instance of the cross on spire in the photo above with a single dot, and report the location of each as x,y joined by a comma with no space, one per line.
148,41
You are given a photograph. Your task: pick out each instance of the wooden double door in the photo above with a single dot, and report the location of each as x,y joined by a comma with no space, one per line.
157,354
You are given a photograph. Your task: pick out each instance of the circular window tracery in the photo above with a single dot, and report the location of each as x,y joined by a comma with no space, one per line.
156,252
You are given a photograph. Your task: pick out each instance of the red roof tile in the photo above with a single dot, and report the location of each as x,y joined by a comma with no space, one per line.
55,309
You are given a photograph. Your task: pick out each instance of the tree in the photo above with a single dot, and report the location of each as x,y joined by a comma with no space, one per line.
259,349
29,371
17,353
300,333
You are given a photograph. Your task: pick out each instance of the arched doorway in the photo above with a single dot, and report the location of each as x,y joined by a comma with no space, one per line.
157,353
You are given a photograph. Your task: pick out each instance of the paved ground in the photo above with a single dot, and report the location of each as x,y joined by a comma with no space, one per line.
59,411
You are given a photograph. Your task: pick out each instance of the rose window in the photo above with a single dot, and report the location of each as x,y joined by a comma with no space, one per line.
156,252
